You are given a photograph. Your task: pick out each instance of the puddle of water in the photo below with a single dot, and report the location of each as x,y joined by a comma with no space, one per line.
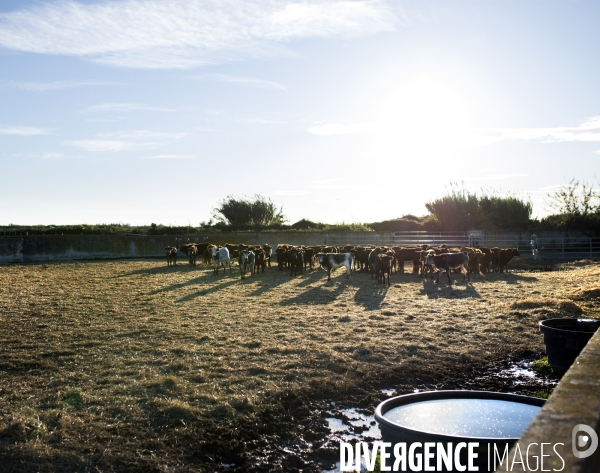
336,469
344,429
336,425
520,372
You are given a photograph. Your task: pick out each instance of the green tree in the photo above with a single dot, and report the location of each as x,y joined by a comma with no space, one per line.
462,210
457,210
246,212
575,199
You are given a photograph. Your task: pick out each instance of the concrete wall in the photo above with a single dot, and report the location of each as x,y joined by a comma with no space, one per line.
11,250
575,401
72,247
34,248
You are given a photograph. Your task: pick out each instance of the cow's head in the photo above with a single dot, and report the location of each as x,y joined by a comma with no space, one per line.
429,259
320,257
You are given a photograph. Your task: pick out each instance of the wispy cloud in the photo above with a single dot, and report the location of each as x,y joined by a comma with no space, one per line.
47,155
240,80
102,145
259,121
185,33
589,131
142,135
341,129
127,140
56,85
124,107
23,131
170,156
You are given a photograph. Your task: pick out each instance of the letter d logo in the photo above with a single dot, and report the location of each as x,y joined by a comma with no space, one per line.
580,441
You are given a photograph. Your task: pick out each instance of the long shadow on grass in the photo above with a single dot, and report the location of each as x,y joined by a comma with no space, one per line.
270,280
210,290
207,276
164,269
510,278
368,293
460,290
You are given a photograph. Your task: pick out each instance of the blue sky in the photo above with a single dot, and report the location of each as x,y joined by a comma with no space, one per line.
138,111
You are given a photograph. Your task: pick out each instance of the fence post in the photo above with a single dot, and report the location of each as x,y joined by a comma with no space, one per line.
591,247
563,247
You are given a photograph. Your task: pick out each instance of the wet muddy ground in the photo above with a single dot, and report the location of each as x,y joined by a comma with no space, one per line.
133,366
351,418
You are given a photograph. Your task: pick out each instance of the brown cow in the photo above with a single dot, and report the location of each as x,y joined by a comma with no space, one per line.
484,259
268,252
505,256
407,253
260,260
383,267
206,257
171,255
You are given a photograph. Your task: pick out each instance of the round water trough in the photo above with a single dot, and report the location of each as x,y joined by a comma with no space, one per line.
487,418
565,338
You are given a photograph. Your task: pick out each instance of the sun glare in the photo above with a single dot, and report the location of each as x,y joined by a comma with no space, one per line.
424,118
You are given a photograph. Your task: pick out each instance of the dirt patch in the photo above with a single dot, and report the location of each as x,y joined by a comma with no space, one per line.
133,366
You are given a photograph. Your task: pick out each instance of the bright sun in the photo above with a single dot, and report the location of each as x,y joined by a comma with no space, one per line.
421,118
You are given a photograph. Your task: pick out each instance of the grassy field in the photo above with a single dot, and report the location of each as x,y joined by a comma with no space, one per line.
134,366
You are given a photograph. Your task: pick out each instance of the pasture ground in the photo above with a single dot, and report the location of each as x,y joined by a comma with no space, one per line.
134,366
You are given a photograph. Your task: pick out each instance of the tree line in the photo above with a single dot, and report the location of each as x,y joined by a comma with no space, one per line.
576,207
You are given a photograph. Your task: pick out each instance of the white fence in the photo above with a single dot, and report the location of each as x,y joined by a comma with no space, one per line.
550,246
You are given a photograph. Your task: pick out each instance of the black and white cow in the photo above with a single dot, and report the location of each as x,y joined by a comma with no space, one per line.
447,261
246,261
192,254
332,261
171,252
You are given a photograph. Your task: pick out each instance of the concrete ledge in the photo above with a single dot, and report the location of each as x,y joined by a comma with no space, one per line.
576,400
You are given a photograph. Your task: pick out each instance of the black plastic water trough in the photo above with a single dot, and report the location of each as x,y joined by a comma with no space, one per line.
488,418
565,338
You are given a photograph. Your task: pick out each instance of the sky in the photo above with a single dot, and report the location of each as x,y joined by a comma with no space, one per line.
153,111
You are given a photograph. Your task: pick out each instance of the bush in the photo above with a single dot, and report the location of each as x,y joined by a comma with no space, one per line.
243,212
461,210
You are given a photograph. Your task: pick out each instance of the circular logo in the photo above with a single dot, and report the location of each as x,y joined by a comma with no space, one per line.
584,437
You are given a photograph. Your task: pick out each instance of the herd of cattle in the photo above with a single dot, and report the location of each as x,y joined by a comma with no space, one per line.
379,261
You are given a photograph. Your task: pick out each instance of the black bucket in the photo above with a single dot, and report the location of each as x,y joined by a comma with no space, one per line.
498,421
565,338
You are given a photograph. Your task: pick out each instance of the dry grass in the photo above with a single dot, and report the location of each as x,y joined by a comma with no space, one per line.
130,365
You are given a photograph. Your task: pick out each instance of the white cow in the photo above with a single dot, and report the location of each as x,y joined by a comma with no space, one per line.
220,257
